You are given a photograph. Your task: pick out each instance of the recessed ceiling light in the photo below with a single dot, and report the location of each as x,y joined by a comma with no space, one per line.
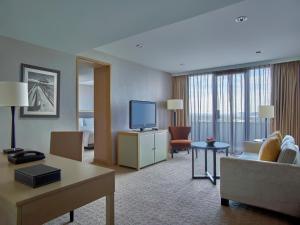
140,45
241,19
258,52
181,64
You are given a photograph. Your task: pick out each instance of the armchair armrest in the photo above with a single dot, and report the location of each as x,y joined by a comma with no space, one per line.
252,146
269,185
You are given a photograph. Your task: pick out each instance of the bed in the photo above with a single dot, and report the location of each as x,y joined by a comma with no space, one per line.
86,125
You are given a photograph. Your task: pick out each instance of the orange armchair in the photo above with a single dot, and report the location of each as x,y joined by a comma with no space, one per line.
180,138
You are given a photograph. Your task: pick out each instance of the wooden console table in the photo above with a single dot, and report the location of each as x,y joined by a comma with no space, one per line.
80,184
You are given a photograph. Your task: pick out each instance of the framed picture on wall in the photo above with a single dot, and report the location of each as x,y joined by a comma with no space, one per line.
43,91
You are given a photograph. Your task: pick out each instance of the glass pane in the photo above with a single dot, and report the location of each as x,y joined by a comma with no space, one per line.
230,120
259,94
201,107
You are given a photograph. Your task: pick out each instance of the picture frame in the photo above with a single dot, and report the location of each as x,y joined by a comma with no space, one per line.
43,91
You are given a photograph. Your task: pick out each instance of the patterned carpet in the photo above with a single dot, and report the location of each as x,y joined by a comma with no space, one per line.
165,194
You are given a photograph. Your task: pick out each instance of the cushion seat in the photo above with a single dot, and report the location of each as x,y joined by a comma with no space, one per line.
249,156
181,142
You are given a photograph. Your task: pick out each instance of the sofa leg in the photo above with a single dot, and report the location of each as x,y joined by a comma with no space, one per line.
71,216
224,202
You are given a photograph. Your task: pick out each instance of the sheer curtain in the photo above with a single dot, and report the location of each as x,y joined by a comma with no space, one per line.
225,105
230,119
201,106
259,94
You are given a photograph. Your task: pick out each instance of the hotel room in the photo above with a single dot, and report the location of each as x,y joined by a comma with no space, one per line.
149,112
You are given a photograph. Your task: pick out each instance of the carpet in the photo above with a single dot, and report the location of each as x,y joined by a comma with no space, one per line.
165,194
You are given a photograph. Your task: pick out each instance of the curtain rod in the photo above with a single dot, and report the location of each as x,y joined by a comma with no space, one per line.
238,66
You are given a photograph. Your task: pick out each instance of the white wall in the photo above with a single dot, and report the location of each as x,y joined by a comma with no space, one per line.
86,97
34,133
128,81
131,81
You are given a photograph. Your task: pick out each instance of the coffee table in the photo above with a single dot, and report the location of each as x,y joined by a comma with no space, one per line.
218,146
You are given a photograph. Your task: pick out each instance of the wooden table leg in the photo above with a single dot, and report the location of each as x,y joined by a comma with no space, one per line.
110,209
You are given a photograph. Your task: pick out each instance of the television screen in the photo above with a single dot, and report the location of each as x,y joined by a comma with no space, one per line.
142,114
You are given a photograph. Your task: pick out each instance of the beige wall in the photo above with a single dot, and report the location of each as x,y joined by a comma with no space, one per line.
130,81
34,133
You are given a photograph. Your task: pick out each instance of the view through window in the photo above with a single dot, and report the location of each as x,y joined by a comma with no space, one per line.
225,105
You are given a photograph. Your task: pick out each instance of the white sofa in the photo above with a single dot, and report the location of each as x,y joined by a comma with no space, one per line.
269,185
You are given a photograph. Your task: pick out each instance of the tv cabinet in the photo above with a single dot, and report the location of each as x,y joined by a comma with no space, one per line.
140,149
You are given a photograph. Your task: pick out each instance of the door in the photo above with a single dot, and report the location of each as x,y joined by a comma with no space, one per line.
146,149
161,146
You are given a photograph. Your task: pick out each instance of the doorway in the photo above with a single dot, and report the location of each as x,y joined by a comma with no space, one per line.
94,111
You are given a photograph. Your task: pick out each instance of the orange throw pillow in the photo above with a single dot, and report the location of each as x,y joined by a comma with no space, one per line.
270,149
278,134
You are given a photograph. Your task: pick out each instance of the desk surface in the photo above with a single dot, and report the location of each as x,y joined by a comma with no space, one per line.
72,173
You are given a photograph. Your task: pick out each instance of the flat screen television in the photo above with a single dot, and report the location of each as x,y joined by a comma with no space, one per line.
142,114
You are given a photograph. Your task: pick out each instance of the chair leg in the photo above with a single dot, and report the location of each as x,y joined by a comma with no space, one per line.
72,216
188,150
172,152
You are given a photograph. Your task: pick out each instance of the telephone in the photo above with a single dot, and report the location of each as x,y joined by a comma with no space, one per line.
25,156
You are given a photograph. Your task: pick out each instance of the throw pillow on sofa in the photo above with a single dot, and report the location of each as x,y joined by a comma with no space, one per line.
287,140
277,134
270,149
288,153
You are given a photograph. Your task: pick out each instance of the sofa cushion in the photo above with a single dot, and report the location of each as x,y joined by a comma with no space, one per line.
278,134
288,154
270,149
287,140
249,156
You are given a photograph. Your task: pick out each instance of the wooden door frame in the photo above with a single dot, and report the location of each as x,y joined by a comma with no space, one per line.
109,160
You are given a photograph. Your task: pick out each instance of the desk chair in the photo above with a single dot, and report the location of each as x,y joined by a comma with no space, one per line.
67,144
180,139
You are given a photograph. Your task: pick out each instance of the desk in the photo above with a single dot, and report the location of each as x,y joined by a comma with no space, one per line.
80,184
216,147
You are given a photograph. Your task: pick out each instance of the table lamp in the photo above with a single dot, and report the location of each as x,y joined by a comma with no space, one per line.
13,94
266,112
174,104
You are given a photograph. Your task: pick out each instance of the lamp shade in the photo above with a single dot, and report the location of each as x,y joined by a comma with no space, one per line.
173,104
266,111
13,93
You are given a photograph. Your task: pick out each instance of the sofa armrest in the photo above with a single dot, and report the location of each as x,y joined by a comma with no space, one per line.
269,185
252,146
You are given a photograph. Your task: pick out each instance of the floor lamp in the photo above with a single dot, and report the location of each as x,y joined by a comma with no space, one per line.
174,104
13,94
266,112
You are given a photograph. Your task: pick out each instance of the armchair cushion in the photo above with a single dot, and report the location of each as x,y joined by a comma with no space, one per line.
270,149
180,142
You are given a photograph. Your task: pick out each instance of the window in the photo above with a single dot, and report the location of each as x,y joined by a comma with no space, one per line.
225,105
201,106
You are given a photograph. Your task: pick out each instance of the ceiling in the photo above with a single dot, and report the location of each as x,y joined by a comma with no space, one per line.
214,39
75,26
